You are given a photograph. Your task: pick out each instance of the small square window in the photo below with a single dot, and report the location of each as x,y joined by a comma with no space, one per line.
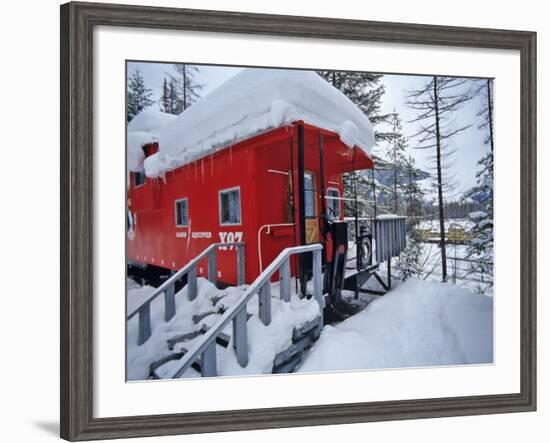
333,202
139,178
230,207
182,212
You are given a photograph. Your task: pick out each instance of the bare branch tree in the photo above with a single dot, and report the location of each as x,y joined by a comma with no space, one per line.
436,101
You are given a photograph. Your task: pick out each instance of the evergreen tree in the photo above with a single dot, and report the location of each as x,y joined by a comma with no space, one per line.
410,263
185,88
436,102
165,105
139,96
365,90
169,100
485,91
413,192
395,153
480,248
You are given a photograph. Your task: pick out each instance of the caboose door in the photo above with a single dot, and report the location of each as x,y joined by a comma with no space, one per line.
311,209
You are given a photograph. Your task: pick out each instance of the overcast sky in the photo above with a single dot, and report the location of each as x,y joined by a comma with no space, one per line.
468,144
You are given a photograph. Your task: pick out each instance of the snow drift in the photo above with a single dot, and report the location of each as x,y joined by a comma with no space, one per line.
418,323
252,102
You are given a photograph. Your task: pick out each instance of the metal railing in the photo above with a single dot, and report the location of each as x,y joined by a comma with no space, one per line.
390,237
205,348
169,286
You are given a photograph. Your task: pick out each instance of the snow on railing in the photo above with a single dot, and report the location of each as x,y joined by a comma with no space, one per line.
205,348
169,286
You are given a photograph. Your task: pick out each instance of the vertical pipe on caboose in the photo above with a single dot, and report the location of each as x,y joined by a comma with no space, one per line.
323,197
301,186
301,209
293,184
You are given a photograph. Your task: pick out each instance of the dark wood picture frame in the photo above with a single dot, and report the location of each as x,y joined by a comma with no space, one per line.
77,218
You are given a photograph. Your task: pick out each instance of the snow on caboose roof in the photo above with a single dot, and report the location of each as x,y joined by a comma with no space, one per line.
252,102
144,129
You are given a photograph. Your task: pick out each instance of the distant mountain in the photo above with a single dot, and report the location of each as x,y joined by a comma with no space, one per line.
384,172
383,176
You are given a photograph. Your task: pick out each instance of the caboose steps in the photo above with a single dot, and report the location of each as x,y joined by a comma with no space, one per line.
303,337
236,315
218,326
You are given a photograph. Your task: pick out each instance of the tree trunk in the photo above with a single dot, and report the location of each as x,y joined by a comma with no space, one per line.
409,209
490,109
440,189
184,88
395,189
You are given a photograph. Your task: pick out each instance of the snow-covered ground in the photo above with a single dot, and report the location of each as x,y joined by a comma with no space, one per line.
418,323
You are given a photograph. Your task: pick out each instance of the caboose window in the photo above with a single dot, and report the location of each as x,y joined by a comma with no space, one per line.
139,178
309,197
333,202
230,206
182,212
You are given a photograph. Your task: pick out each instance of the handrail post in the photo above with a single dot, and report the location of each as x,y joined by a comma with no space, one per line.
169,303
265,303
318,279
208,361
192,283
144,323
212,276
284,280
240,337
241,265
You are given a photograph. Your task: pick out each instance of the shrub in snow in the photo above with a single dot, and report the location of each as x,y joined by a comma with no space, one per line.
409,264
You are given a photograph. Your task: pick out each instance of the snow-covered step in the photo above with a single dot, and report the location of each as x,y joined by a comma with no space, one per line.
300,332
303,338
183,338
198,317
222,340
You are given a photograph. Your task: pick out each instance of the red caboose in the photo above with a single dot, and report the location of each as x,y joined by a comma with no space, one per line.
260,161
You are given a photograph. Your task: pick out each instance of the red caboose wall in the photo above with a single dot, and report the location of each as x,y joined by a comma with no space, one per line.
264,169
158,241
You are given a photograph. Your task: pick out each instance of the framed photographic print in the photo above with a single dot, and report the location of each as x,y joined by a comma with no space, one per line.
272,221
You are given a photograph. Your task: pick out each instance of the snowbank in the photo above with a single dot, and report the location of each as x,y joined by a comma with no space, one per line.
419,323
142,130
252,102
